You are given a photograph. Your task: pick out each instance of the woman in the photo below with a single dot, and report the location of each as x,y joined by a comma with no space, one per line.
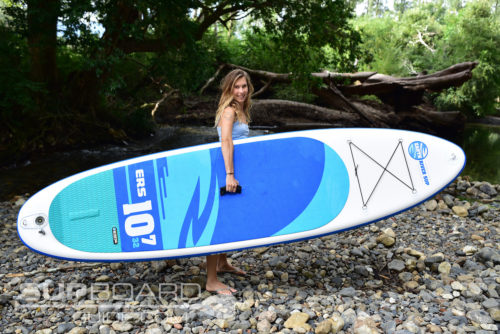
231,120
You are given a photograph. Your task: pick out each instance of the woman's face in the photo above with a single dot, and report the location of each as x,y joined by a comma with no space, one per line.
240,90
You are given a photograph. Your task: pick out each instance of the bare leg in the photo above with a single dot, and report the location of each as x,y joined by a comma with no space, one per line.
224,266
213,284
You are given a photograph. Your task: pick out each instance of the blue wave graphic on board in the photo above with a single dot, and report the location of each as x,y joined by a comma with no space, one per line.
192,219
279,179
289,185
161,171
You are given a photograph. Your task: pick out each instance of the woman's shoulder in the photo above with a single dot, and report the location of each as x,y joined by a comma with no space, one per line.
230,109
229,112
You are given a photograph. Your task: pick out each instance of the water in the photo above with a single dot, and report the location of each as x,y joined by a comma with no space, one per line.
481,145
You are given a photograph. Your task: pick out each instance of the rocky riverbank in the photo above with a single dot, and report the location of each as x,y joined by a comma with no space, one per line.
435,268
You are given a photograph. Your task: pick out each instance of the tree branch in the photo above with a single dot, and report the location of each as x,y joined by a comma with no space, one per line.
421,41
263,89
209,81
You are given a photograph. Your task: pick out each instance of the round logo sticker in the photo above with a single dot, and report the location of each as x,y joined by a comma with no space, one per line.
418,150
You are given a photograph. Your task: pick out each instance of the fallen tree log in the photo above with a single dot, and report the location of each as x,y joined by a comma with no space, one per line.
279,112
400,93
295,115
269,112
340,104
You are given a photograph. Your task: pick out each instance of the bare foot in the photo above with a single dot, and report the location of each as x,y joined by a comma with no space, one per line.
220,288
226,267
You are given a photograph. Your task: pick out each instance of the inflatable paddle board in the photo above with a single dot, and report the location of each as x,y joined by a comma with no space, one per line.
294,186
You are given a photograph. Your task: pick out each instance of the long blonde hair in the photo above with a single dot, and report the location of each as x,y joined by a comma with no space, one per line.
226,99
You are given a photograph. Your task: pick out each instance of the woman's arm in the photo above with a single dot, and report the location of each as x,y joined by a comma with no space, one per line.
226,124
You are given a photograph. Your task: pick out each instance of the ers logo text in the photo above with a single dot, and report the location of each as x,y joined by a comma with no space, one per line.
141,183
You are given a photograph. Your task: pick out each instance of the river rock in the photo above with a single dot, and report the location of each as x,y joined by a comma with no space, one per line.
159,266
469,250
268,315
396,265
415,253
269,274
444,267
44,331
298,321
460,211
264,326
442,205
488,254
323,327
78,330
431,205
347,292
455,285
116,265
337,323
431,328
221,323
488,189
364,324
154,330
495,314
434,258
386,239
245,305
448,199
65,327
482,209
121,326
479,317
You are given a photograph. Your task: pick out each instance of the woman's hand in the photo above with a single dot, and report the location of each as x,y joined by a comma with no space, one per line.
231,183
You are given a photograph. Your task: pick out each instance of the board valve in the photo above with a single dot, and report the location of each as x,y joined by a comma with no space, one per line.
35,221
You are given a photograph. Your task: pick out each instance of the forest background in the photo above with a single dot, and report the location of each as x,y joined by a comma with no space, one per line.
76,73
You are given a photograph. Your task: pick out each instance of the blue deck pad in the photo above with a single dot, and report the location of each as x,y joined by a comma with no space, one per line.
137,207
81,220
280,178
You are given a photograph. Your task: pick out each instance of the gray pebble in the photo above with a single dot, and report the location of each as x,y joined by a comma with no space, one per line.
65,327
397,265
480,317
348,292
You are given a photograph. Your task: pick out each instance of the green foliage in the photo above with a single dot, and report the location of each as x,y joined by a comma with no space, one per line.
473,34
432,37
302,28
381,49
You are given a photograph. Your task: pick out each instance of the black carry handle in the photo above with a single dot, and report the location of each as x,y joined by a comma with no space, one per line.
223,190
